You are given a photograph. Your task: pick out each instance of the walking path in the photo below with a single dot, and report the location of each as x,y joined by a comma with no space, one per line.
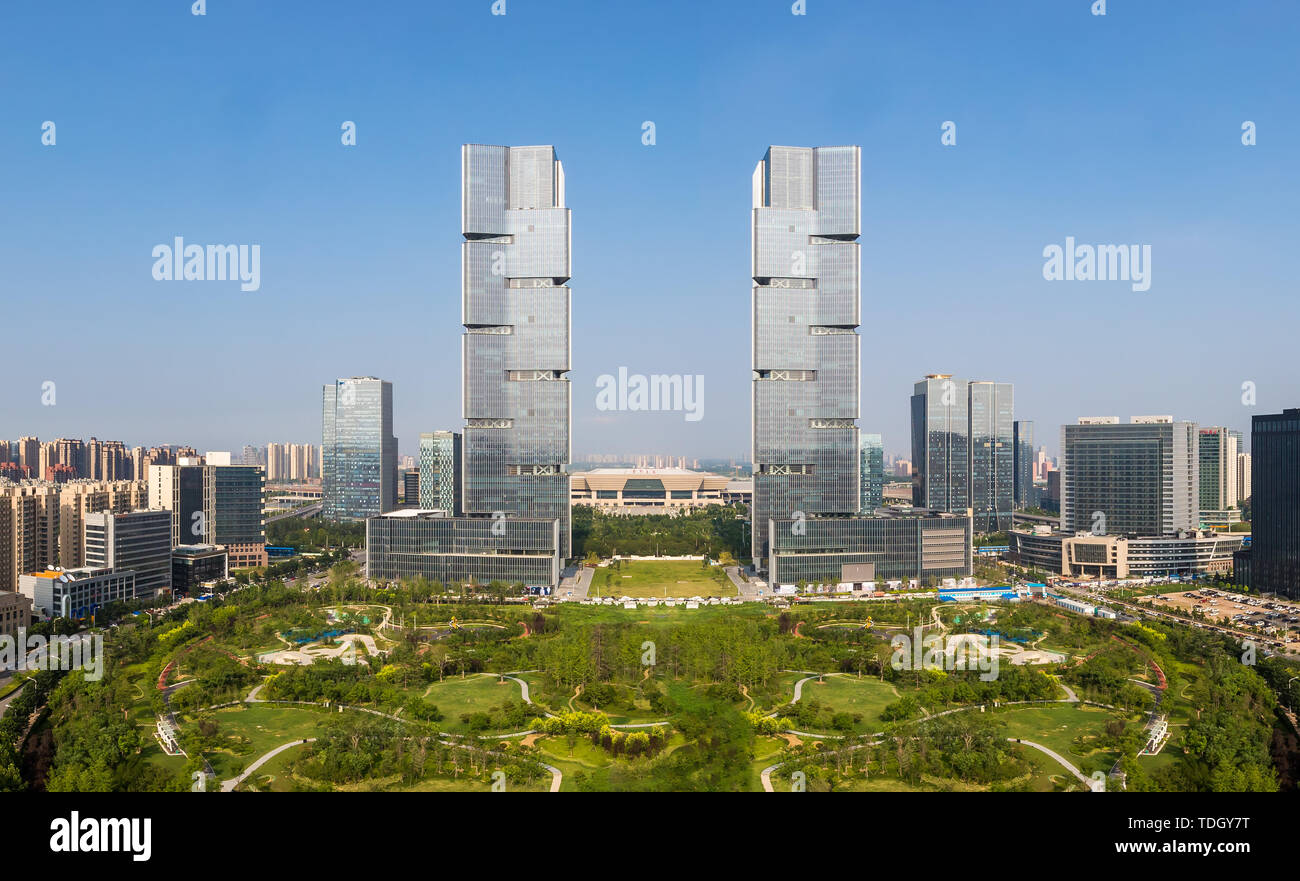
229,785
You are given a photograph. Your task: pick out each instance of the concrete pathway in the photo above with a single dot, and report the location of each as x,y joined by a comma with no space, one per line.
229,785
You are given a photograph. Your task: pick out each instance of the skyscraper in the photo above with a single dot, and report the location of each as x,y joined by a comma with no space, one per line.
359,452
138,541
1023,466
992,471
1275,503
1139,479
440,466
214,504
515,310
1217,453
941,443
515,266
872,467
805,268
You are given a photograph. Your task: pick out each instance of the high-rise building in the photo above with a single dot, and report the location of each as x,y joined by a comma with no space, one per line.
872,472
1217,450
516,313
515,303
140,541
941,443
1139,479
440,468
1243,476
805,269
806,450
1275,503
359,462
992,456
1023,466
214,504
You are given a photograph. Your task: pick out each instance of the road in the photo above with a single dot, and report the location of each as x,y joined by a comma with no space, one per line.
305,511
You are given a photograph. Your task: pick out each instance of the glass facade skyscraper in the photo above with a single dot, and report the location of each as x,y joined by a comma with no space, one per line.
1217,450
1023,464
515,307
992,473
358,451
871,465
1275,503
440,471
805,268
941,443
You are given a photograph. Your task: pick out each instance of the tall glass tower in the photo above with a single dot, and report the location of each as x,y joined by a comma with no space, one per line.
440,471
941,443
992,479
358,450
515,308
872,465
805,267
1023,446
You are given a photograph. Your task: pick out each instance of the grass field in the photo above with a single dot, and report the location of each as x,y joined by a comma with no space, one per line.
266,727
1056,726
473,694
651,579
867,696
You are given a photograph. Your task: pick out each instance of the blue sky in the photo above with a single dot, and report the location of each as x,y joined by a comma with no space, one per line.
225,128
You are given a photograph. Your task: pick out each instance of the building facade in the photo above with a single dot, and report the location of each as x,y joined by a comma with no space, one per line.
648,490
941,443
862,551
440,469
192,566
1217,450
410,544
805,269
214,504
516,312
140,541
76,593
359,451
1275,503
1022,445
992,455
871,467
1136,479
1118,556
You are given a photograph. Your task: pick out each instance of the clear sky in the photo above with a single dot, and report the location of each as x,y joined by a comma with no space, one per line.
225,128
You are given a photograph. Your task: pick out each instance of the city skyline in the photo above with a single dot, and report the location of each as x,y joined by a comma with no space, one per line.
333,264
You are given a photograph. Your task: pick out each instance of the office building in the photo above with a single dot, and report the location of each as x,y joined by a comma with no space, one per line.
1119,556
193,566
513,482
359,453
871,467
15,613
213,504
516,312
859,552
76,593
1275,503
1022,445
805,269
1139,479
1217,450
1243,476
941,443
140,541
992,456
439,471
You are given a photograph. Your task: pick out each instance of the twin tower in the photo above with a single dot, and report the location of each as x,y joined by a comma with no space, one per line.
516,310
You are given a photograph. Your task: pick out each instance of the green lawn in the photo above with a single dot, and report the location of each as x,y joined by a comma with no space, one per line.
650,579
849,694
266,727
1055,726
474,694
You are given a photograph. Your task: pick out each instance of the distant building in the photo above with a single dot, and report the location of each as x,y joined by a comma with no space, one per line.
76,593
440,472
941,443
1117,556
860,551
642,489
1243,476
992,462
15,612
214,504
411,487
1275,503
412,543
140,541
1138,479
1023,465
871,466
1217,450
192,566
359,451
